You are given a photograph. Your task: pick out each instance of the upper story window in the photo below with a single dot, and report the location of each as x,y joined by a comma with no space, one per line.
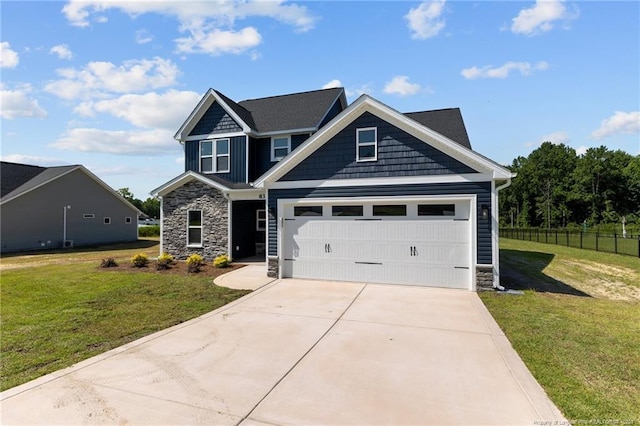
367,144
280,147
214,156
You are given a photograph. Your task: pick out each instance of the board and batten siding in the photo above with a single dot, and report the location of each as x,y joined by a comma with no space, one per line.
260,154
237,165
399,154
215,120
482,190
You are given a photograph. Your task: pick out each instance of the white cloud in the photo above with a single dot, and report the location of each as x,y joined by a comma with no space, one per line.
62,50
581,150
332,84
119,142
399,85
556,138
425,21
620,122
217,42
8,57
19,103
209,25
33,160
143,36
541,17
525,68
98,78
150,110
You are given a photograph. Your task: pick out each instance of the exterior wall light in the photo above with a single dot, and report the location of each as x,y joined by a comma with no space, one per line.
485,211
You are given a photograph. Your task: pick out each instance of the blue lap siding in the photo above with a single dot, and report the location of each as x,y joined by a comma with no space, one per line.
260,154
481,189
399,154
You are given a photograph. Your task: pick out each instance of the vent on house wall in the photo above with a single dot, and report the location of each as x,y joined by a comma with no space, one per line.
68,243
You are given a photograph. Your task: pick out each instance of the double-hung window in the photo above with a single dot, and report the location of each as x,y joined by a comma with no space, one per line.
194,231
214,156
367,144
280,147
261,220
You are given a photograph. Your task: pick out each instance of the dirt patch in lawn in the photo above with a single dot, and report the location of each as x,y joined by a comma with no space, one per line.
597,279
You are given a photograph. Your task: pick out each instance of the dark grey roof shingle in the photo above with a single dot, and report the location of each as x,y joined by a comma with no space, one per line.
18,178
303,110
448,122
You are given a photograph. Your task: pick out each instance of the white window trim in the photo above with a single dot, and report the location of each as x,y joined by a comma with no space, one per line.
201,227
106,220
214,155
273,148
88,216
374,144
263,220
128,219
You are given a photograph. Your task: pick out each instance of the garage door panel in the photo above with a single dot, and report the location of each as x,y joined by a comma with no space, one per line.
423,251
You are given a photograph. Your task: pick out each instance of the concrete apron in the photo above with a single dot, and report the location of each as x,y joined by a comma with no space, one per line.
303,352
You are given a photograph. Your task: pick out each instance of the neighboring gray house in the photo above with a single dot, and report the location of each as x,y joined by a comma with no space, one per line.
327,190
49,207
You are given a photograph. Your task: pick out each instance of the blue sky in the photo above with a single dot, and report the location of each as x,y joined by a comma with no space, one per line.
106,84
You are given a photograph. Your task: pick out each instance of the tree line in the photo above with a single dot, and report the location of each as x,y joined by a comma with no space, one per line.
556,188
150,206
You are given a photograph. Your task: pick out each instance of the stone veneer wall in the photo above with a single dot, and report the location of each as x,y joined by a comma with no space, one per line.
215,221
484,277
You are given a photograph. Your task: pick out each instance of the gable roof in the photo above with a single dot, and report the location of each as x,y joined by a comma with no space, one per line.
365,103
19,179
208,179
447,122
304,111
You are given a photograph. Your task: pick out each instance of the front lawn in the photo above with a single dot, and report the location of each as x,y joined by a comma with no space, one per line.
577,327
64,311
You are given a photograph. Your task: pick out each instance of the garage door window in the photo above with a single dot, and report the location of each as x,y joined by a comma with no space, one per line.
347,210
390,210
436,209
307,211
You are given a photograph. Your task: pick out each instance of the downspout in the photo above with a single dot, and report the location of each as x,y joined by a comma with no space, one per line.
496,282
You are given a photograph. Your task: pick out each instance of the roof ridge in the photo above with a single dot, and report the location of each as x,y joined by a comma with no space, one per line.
433,110
291,94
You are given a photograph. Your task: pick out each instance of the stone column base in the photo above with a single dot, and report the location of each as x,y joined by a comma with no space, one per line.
484,277
272,267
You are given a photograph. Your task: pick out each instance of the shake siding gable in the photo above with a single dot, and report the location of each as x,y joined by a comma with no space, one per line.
215,120
399,154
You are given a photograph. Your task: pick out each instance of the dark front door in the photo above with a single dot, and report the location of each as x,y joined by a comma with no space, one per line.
248,228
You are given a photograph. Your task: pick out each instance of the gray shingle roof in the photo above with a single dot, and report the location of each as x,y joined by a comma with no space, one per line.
304,110
18,178
448,122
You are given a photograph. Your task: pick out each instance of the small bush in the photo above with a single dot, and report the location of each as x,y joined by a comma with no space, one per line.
149,231
108,263
164,261
221,261
139,260
194,263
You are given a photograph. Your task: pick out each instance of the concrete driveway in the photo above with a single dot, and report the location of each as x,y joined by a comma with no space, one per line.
303,352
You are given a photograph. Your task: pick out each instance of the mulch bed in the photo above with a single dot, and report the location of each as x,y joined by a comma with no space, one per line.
176,268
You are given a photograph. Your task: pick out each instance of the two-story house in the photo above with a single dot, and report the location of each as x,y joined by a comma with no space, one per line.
327,190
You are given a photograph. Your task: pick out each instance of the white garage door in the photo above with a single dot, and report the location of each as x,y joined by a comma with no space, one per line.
417,243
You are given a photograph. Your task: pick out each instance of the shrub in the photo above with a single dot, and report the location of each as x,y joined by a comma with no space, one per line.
221,261
139,260
149,231
194,263
108,263
164,261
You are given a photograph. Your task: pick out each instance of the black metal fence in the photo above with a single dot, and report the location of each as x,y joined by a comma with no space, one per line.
616,243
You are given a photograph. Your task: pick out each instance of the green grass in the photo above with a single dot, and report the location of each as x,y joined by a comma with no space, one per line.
584,351
58,314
